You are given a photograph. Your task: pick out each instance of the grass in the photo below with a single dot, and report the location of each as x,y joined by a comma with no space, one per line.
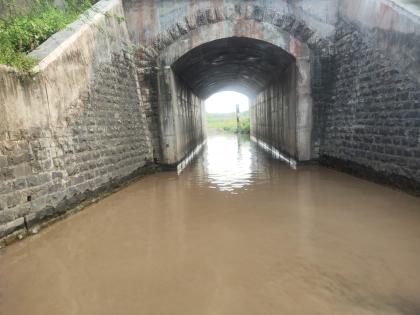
227,122
22,33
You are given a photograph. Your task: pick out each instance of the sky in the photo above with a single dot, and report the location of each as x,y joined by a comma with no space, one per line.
225,102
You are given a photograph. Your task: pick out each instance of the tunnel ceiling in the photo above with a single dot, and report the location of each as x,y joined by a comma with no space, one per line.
241,64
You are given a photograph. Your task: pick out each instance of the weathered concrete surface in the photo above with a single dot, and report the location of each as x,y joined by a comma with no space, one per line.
76,126
156,22
235,63
273,114
181,118
215,30
281,115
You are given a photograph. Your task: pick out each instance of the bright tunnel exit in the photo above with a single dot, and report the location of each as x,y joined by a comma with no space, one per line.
226,101
228,111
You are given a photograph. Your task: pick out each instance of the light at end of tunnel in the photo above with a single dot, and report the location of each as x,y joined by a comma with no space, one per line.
225,102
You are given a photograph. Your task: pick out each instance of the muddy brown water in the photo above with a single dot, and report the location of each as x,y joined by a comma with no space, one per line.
236,233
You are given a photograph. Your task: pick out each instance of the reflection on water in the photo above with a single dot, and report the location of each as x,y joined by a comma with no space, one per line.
237,233
232,163
228,162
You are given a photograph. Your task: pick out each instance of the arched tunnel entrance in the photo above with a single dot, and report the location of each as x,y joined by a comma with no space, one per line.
121,93
276,81
242,64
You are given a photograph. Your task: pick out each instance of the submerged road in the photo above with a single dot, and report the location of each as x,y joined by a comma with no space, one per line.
236,233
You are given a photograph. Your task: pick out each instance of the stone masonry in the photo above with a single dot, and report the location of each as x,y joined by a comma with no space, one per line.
372,124
43,172
80,148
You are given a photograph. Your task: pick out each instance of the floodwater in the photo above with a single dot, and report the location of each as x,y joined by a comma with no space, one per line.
237,233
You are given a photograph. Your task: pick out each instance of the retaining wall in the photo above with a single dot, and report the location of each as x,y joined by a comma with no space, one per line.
74,128
372,123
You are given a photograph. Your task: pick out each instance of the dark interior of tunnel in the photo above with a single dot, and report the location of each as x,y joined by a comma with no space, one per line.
241,64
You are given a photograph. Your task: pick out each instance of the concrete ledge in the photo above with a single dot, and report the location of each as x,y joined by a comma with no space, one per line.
60,42
391,26
396,181
33,222
275,152
188,159
67,64
185,161
11,227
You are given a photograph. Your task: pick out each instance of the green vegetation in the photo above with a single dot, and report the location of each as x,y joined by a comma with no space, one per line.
227,122
22,33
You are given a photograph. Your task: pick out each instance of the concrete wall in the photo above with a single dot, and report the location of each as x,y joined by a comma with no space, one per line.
282,115
273,114
189,120
76,127
181,118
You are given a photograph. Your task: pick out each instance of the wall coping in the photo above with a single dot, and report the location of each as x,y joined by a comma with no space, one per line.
58,43
411,8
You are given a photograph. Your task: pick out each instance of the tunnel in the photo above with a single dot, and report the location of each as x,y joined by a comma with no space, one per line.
269,75
113,108
241,64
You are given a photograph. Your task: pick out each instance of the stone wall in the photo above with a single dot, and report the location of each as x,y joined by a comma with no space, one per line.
74,129
372,124
147,74
390,26
157,22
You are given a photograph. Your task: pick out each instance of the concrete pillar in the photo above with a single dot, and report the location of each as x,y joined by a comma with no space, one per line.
181,118
167,115
303,109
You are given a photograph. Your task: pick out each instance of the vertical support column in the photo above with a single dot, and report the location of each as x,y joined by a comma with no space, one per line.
181,118
304,109
167,115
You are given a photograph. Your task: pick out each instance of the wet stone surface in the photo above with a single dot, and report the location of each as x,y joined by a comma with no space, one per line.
235,233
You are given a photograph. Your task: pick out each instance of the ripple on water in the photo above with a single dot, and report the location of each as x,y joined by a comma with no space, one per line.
237,233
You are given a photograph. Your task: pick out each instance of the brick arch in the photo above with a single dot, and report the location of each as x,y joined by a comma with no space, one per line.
160,51
243,14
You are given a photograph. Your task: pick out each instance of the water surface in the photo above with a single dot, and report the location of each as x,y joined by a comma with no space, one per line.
236,233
